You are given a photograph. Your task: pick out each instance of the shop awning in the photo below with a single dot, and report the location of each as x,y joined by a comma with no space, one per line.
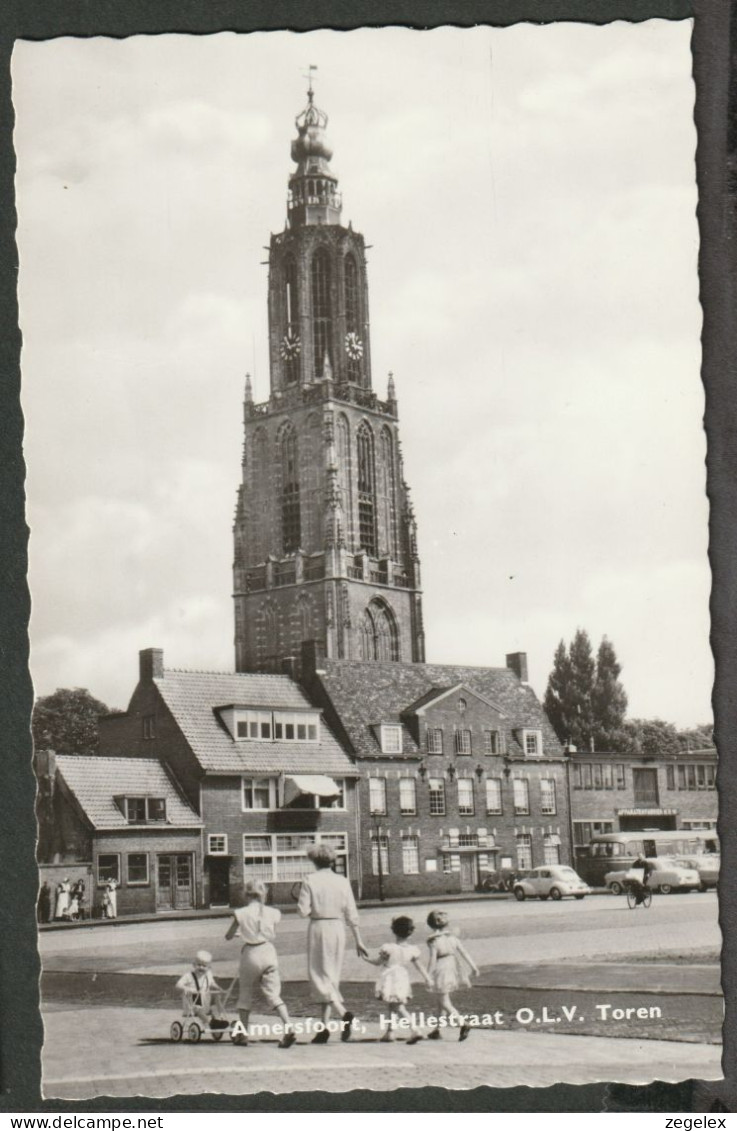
320,785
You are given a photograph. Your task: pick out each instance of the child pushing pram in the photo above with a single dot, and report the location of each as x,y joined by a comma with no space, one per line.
203,999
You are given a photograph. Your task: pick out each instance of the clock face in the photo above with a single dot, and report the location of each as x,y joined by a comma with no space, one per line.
353,346
290,346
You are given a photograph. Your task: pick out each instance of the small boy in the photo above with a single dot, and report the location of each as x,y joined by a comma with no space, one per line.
201,993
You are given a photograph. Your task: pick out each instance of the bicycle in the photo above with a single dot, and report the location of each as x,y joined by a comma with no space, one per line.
633,888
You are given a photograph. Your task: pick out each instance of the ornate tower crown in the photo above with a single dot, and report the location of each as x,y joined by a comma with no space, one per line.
313,187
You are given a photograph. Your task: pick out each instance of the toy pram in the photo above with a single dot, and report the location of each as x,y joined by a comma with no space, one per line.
191,1026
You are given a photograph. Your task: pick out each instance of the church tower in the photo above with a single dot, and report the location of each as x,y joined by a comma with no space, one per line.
325,536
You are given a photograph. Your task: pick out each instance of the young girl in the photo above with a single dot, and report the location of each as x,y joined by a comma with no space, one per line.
259,967
448,957
393,985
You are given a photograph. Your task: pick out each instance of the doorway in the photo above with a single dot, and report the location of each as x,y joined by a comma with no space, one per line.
469,872
174,883
219,881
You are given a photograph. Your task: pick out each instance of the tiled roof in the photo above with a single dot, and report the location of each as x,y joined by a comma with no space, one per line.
365,694
192,698
96,782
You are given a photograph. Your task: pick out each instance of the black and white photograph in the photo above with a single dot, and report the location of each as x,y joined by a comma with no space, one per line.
368,560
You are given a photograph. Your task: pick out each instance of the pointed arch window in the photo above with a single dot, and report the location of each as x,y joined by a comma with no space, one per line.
352,321
366,490
292,321
321,317
268,643
290,503
388,494
378,635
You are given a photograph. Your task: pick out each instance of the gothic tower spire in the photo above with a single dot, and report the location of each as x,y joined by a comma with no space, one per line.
325,536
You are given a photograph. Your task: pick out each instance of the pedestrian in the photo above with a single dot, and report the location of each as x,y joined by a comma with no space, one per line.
394,986
61,910
78,894
201,993
110,900
327,900
449,962
259,965
43,905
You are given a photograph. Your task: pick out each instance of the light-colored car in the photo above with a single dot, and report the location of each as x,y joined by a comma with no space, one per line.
553,880
706,865
667,876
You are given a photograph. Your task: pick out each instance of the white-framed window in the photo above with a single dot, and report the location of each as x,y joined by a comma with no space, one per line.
698,825
379,843
313,801
491,742
407,796
377,795
290,726
259,793
551,849
391,739
145,810
583,831
136,867
466,807
254,725
451,862
462,741
434,740
108,867
521,793
283,856
274,726
532,743
217,844
437,797
524,850
410,855
493,795
547,799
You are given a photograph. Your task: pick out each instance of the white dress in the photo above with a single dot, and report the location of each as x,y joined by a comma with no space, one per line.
62,901
393,984
448,968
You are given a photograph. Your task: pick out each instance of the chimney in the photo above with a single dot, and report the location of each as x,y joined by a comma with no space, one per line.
150,664
517,662
313,657
289,666
45,761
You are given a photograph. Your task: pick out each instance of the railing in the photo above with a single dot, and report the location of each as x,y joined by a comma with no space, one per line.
285,573
401,581
255,579
378,576
355,573
314,570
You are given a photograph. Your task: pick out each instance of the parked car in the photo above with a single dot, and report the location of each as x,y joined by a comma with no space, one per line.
554,881
706,865
667,876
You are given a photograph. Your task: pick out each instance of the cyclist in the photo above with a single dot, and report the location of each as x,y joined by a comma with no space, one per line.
641,864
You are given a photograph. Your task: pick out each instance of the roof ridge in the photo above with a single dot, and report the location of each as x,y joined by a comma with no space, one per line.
210,671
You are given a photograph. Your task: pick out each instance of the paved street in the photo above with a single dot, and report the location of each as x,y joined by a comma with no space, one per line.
526,951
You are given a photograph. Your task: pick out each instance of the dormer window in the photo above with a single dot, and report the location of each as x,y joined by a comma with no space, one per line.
144,810
272,726
532,743
391,739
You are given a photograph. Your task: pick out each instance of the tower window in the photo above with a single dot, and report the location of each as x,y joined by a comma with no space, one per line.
292,327
351,312
321,320
291,532
378,634
366,491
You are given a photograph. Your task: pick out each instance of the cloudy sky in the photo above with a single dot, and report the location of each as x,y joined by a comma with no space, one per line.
529,196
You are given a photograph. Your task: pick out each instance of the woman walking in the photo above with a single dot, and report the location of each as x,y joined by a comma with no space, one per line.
327,900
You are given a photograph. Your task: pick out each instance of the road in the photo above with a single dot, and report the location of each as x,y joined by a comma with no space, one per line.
531,954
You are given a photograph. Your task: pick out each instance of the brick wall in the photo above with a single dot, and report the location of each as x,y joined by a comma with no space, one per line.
136,899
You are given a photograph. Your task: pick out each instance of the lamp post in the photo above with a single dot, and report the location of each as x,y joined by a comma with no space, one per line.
380,869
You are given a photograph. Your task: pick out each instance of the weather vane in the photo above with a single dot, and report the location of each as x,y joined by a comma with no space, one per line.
308,76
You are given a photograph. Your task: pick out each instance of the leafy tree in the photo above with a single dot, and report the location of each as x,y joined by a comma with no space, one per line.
608,698
697,738
650,738
584,699
67,721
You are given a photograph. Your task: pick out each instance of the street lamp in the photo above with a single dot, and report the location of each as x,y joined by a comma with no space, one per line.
375,813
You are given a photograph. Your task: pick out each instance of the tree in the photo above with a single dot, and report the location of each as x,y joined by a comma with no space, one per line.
608,698
67,721
697,738
650,738
584,699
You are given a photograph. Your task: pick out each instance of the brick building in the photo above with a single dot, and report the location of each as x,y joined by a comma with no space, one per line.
255,760
613,793
123,819
325,537
461,771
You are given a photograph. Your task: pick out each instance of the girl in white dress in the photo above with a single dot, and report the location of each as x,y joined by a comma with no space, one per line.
450,964
393,985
